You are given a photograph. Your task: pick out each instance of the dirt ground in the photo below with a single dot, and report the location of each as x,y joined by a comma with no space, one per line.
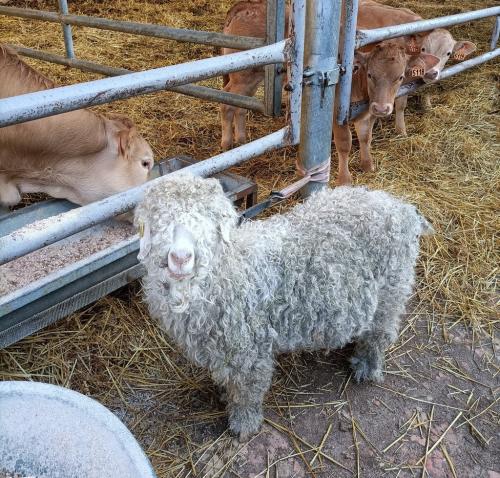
438,405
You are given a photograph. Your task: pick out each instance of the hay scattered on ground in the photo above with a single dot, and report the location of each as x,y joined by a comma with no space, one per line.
448,166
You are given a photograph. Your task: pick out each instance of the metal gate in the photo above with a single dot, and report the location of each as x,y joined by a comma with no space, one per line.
313,41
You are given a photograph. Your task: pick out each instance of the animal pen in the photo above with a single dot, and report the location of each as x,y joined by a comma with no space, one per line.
311,52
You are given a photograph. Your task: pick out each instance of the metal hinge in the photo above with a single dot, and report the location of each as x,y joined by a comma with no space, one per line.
322,78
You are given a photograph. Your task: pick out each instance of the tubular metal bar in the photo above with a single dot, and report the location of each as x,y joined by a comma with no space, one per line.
145,29
33,236
202,92
495,34
68,37
296,66
344,88
320,76
32,106
358,108
273,74
366,37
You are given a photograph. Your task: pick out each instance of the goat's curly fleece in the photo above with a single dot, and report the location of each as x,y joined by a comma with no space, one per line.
335,269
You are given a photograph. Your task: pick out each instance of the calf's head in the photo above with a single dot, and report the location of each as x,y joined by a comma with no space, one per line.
384,69
185,224
129,158
441,44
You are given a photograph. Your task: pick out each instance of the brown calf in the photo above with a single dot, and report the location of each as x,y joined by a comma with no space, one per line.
439,43
377,76
80,155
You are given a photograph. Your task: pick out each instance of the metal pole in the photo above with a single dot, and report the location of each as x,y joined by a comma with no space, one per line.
366,37
349,40
273,76
135,28
296,67
197,91
68,37
359,107
31,106
320,75
495,34
45,232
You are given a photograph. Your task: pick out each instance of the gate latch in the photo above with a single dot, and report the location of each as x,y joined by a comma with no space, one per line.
322,78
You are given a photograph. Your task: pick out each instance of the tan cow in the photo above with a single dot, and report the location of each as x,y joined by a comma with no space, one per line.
438,42
80,155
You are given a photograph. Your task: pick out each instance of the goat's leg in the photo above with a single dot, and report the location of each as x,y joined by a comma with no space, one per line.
343,143
245,395
364,128
401,103
368,360
9,193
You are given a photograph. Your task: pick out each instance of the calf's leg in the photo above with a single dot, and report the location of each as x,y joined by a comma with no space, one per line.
401,103
343,143
241,83
364,128
9,193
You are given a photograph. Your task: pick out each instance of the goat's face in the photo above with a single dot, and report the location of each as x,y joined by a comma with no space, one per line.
187,231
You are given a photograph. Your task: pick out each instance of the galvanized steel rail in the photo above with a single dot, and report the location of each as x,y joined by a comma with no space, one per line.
144,29
67,98
196,91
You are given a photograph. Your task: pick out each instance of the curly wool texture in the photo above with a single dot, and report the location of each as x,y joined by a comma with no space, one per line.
337,268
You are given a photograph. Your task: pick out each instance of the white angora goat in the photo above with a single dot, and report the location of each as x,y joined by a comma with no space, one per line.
336,269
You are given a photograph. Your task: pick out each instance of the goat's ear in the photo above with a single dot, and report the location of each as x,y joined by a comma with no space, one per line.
144,239
463,49
225,231
418,65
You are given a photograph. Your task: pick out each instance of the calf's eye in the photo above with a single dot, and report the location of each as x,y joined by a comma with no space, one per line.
369,76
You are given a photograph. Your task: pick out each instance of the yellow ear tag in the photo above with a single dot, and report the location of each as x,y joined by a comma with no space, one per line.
141,229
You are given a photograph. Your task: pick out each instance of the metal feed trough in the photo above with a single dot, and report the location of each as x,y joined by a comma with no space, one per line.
313,41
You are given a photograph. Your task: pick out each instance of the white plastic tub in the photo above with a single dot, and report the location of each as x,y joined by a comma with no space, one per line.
48,431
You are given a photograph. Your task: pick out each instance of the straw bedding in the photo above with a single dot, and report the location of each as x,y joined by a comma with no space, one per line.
448,166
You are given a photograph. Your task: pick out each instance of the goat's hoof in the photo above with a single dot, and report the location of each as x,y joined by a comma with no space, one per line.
244,424
363,371
401,132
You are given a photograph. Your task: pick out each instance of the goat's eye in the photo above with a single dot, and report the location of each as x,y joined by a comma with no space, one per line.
448,54
369,76
423,49
145,164
402,77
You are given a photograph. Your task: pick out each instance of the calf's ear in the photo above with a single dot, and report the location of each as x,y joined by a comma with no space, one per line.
463,49
418,65
360,60
124,139
414,43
